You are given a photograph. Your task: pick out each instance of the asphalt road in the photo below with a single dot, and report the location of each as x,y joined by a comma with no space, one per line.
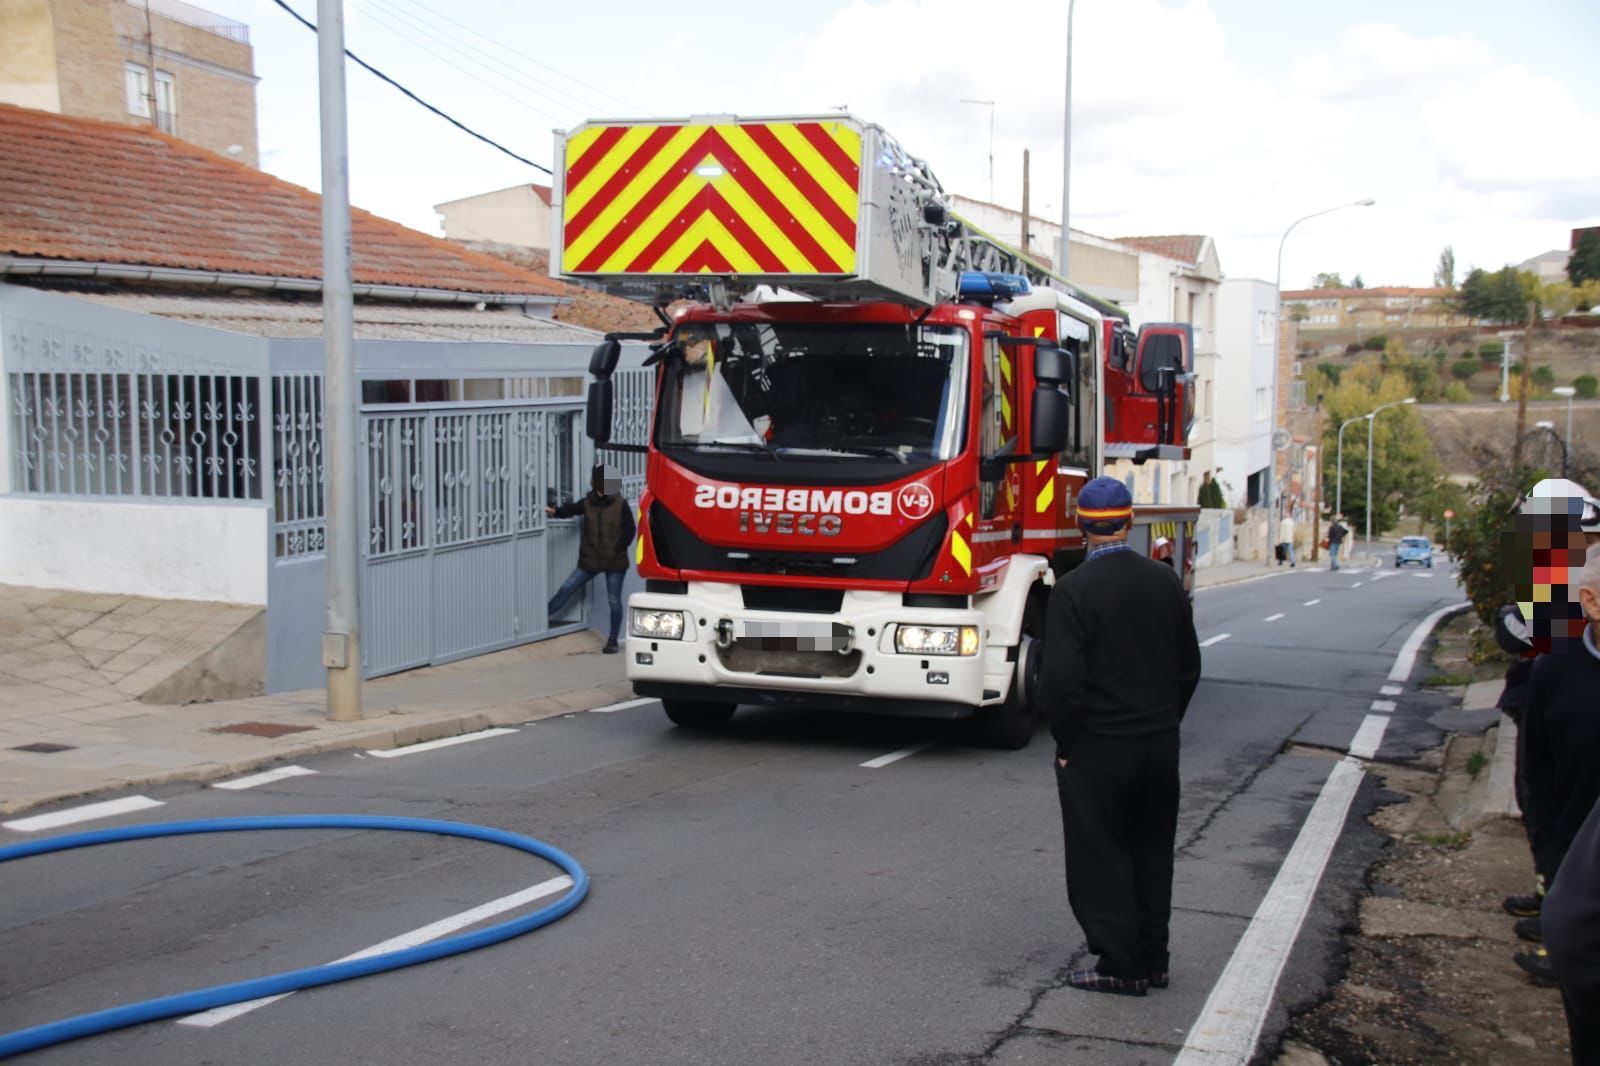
759,895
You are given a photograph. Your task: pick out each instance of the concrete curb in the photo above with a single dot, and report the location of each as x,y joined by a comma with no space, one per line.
1499,798
391,730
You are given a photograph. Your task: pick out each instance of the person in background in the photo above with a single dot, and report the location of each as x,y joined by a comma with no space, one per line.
1286,538
1210,492
608,529
1121,664
1336,534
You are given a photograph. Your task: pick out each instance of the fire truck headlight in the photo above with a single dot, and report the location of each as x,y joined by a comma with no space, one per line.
936,640
657,625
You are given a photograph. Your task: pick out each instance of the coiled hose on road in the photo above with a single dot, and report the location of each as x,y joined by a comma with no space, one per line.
292,980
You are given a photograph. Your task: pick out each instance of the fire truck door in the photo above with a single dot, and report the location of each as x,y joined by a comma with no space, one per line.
999,492
1164,371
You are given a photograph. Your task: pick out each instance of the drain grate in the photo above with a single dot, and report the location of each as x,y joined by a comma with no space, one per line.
263,729
43,748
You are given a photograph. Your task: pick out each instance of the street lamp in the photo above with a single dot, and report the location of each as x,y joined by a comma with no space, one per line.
1273,493
1062,266
1372,417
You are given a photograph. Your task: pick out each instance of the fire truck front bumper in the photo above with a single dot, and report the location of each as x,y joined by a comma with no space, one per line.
873,654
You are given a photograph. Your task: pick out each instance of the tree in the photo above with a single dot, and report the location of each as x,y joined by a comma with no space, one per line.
1357,283
1211,494
1444,275
1584,263
1465,367
1477,537
1299,312
1328,281
1501,297
1404,466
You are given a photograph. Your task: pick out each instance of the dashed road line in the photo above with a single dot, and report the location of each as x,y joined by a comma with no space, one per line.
1386,706
1369,737
894,756
1391,690
443,927
1273,617
87,813
435,745
1218,639
1312,603
254,780
1358,584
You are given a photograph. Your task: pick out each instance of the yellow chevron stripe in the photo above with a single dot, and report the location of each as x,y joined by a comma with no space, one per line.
819,168
1038,468
644,179
764,227
1005,367
638,544
706,227
666,213
1005,410
846,138
967,520
961,552
768,173
1038,331
1011,495
580,194
1046,497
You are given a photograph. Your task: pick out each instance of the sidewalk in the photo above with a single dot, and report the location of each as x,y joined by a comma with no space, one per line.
58,753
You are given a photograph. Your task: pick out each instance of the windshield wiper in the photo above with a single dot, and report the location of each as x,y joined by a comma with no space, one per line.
735,445
865,451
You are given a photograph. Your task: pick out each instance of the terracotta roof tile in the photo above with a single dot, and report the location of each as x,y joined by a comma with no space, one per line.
589,309
1184,248
79,189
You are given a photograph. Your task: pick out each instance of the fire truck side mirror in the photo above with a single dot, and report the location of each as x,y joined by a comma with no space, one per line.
597,420
1050,420
1051,365
603,360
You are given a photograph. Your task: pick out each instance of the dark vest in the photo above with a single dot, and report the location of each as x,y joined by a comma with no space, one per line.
598,548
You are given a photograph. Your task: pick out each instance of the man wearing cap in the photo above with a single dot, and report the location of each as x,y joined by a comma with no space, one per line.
608,529
1122,662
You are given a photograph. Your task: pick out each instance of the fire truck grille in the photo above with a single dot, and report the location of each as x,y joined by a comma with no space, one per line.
910,558
779,657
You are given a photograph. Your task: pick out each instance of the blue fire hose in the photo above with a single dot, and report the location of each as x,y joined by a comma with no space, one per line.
292,980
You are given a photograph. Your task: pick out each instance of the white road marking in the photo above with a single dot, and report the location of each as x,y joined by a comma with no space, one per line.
1312,603
1273,617
1219,638
1421,575
1391,690
1369,737
1408,653
1229,1024
267,778
87,813
435,745
443,927
1383,576
625,705
1383,705
1358,584
894,756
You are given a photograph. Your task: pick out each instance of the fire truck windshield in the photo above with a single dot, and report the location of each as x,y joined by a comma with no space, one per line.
817,390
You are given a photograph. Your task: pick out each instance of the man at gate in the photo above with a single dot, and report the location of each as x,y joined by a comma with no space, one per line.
608,529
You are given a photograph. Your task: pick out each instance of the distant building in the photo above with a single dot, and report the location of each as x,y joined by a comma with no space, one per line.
1100,265
518,216
169,64
1243,387
1370,310
1550,267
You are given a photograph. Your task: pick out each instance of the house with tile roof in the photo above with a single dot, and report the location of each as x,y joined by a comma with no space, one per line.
519,215
161,431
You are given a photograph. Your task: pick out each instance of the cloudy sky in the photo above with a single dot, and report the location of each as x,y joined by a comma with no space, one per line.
1473,124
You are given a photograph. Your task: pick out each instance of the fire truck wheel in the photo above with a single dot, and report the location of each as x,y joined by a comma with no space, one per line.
1010,725
698,714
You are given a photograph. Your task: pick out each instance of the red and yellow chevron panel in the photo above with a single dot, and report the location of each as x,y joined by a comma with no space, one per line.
727,198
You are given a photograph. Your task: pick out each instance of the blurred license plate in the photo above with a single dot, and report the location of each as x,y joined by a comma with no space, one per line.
800,634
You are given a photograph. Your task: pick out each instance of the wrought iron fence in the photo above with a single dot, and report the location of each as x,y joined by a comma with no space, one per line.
299,528
168,436
631,402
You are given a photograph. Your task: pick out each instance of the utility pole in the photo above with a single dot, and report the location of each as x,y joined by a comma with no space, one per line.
341,641
1063,263
990,105
1522,388
1025,208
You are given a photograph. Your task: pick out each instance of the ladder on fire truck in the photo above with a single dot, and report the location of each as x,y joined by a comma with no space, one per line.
828,207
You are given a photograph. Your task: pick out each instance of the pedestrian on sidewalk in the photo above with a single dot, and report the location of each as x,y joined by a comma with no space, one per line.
1286,539
1560,737
1336,534
1572,916
608,529
1121,664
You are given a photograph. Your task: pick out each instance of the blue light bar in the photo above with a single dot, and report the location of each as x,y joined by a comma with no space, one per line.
983,285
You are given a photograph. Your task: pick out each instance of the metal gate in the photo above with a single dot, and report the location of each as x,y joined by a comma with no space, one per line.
458,556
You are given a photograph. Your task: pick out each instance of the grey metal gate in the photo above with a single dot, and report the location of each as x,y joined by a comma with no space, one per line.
459,556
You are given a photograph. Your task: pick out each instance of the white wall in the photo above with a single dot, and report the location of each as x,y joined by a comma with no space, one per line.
178,551
517,215
1246,322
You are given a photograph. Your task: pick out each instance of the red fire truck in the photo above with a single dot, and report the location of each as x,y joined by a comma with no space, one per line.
871,421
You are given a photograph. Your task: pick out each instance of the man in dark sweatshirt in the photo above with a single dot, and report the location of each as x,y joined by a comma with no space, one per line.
1122,662
608,529
1560,753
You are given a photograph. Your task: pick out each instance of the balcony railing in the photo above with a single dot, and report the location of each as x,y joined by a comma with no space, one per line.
198,17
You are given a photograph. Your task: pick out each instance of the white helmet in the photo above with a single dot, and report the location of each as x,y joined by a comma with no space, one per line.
1565,488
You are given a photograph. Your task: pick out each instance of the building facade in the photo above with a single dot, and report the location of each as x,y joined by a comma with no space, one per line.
1371,311
519,215
1242,387
167,64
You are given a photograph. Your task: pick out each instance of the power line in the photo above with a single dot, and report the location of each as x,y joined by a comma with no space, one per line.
521,58
525,94
375,72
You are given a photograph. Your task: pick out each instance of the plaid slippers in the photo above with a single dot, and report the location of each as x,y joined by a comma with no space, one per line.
1095,981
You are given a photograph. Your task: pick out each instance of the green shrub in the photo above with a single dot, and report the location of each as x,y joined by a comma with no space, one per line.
1375,343
1543,376
1455,392
1491,351
1588,386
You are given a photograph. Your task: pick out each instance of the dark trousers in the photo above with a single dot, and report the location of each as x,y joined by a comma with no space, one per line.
1583,1027
1119,815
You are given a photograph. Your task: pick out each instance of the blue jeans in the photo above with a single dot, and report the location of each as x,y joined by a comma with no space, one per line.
576,581
1333,553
